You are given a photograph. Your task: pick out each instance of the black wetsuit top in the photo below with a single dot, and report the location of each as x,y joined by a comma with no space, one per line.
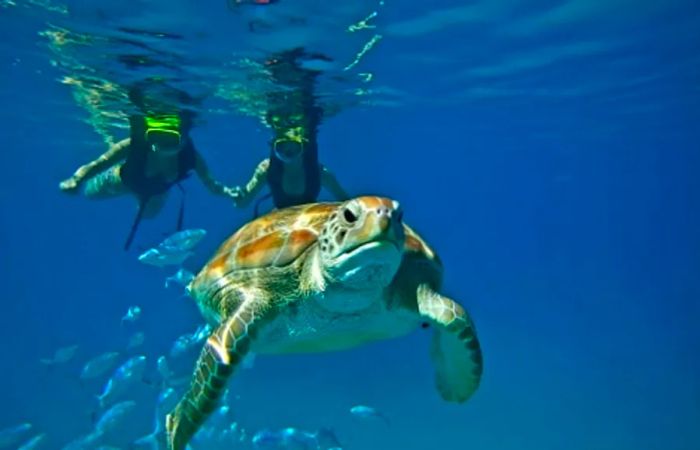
311,177
133,171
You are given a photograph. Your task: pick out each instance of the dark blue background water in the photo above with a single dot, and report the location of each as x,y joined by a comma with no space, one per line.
568,225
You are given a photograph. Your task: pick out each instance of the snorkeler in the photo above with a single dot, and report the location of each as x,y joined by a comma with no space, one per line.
292,172
158,155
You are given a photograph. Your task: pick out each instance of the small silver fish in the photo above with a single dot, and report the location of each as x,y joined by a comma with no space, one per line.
222,411
168,376
155,257
99,365
132,314
155,440
206,436
201,333
10,436
367,412
213,433
181,345
136,340
164,368
174,250
113,416
166,401
182,241
88,441
183,277
234,433
285,438
61,355
132,370
34,442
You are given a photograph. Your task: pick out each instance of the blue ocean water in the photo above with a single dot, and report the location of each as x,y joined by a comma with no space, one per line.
548,150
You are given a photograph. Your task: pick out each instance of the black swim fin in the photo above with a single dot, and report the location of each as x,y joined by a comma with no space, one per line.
135,224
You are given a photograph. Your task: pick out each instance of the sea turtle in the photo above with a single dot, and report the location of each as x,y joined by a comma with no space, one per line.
322,277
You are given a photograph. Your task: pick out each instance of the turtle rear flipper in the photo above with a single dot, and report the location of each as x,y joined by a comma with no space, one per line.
455,350
224,350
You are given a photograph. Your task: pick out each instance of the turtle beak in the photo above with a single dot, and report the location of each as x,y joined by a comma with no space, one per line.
391,220
385,221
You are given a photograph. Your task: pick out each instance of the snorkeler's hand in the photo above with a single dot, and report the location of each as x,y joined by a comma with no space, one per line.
70,185
234,193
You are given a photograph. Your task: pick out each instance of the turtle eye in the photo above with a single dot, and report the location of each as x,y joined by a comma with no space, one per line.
349,216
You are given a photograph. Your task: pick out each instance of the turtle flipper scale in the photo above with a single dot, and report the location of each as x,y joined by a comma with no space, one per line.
455,351
224,350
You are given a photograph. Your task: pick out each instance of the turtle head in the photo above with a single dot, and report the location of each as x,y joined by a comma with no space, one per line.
361,244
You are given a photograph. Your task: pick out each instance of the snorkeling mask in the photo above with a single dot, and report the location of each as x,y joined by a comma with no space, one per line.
163,132
290,145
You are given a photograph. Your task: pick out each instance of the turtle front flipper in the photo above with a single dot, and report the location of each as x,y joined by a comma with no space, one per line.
455,350
224,350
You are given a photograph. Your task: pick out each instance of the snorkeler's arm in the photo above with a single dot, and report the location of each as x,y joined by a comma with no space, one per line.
211,183
253,187
116,152
330,182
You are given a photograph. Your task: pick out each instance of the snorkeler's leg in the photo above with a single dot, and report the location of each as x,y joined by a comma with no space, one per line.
106,184
116,152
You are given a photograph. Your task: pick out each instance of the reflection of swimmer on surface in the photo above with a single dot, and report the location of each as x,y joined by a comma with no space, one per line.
158,155
292,172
